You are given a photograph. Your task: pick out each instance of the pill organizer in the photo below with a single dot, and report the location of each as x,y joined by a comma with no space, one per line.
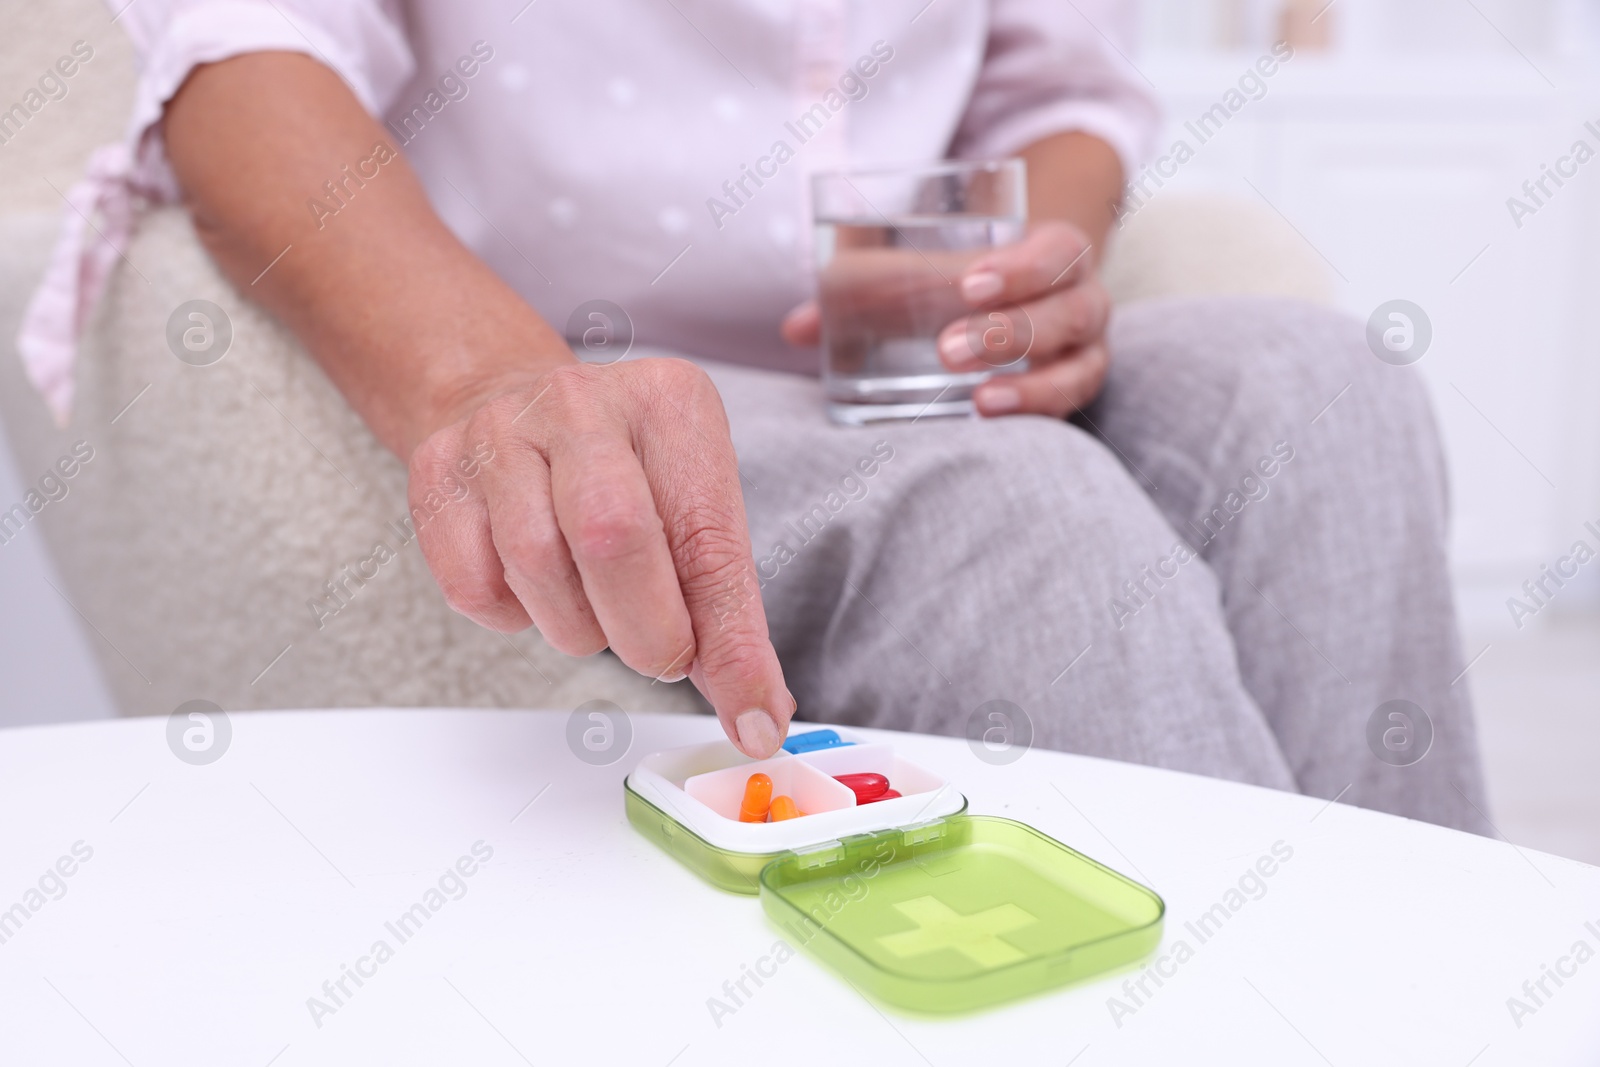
911,899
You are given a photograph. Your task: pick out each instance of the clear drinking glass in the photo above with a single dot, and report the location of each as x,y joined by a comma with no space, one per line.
891,246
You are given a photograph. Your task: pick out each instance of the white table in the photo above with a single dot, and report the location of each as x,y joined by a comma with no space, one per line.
219,898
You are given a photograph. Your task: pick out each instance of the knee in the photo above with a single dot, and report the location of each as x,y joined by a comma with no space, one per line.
1313,375
1262,359
995,464
1021,484
1310,359
1264,370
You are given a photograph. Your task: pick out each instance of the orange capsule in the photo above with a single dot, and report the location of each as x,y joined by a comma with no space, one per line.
757,798
782,808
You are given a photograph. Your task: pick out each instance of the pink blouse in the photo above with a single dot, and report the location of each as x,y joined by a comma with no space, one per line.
651,153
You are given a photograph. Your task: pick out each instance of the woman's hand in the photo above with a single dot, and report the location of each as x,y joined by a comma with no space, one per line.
1040,300
602,504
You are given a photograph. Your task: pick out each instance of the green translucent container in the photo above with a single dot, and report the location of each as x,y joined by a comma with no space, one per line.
912,901
961,913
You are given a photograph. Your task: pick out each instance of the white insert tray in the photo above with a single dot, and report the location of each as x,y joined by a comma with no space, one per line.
701,785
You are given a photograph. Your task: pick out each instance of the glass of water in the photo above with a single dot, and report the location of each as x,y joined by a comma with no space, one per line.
891,247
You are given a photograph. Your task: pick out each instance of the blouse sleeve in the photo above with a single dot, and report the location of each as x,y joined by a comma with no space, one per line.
1054,66
363,41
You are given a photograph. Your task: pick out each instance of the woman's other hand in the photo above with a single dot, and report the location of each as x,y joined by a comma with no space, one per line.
1038,300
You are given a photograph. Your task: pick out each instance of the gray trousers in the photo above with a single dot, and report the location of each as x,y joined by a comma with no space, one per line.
1225,566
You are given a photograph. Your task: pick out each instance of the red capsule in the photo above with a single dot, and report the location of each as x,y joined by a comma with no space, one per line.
887,794
867,787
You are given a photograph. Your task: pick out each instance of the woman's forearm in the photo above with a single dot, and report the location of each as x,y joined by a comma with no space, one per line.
1077,178
410,325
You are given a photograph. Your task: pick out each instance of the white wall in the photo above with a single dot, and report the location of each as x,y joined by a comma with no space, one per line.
46,671
1394,154
1382,27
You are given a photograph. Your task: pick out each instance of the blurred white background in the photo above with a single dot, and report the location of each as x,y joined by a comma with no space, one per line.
1391,142
1376,28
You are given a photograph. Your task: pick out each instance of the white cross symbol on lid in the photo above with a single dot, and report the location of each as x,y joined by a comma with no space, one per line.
975,936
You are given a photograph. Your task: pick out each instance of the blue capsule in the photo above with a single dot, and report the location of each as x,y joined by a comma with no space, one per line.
811,742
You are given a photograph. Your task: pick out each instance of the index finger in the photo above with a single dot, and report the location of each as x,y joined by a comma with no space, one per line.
1052,255
702,507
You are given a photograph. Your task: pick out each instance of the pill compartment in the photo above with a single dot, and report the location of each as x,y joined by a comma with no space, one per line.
812,791
917,786
686,800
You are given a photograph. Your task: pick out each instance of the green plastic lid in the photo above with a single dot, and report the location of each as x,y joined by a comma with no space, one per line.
959,913
909,899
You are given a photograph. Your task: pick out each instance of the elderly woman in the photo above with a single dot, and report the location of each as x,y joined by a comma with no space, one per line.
1203,534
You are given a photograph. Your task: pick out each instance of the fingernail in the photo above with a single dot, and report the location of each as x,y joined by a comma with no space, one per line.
979,287
758,734
952,347
998,399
